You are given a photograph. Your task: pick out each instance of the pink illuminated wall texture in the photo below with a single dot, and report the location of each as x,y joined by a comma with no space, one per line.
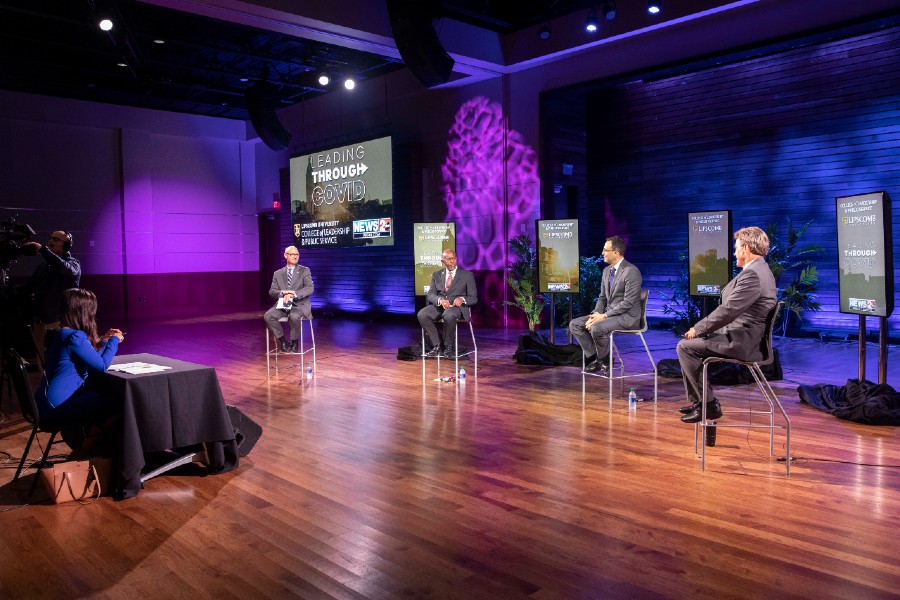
476,190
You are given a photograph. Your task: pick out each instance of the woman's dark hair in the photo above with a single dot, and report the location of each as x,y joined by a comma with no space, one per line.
78,310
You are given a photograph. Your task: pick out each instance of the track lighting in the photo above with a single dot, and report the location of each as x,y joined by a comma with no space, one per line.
591,24
653,6
324,79
349,83
609,10
544,31
105,24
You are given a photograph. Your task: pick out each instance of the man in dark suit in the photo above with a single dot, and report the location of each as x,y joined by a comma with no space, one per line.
735,329
451,294
291,288
618,306
59,272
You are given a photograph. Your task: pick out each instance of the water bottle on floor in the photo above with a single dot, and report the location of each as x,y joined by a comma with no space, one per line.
308,370
462,374
632,400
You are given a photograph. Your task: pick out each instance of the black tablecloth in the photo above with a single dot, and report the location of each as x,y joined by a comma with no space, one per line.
177,408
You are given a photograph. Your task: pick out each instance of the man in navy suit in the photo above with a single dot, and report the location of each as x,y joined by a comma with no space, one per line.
736,328
618,306
451,294
291,288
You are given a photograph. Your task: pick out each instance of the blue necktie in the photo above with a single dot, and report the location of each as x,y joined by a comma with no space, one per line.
612,276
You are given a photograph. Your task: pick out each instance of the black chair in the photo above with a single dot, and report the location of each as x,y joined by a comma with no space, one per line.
762,383
18,372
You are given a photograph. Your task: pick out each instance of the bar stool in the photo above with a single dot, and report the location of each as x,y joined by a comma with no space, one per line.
274,351
768,395
614,353
473,351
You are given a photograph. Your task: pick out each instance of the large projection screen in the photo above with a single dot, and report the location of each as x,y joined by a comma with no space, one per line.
343,196
709,252
865,257
429,242
557,256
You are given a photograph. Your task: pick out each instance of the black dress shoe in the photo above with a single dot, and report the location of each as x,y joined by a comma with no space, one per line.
295,346
450,353
433,353
689,408
595,367
713,411
285,345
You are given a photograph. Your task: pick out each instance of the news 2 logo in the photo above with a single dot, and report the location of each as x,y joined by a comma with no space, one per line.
372,228
862,305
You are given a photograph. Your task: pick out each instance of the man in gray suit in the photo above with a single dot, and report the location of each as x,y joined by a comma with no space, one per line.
735,329
618,306
291,288
451,294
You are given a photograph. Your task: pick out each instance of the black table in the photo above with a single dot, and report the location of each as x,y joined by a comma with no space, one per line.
178,408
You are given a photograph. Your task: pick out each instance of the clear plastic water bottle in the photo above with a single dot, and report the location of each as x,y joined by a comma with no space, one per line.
632,400
308,370
462,374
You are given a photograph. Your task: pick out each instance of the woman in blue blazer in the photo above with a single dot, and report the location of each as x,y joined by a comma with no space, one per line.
74,351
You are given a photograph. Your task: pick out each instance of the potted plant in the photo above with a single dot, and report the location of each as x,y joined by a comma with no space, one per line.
784,255
521,278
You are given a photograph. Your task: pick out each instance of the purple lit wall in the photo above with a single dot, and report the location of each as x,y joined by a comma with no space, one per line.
489,175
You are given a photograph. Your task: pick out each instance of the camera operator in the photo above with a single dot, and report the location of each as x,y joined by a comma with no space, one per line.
59,272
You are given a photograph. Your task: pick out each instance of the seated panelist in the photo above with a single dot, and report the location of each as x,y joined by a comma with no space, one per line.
291,288
451,294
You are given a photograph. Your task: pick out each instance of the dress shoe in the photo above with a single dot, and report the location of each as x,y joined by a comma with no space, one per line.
284,344
433,353
450,353
689,408
295,346
594,367
713,411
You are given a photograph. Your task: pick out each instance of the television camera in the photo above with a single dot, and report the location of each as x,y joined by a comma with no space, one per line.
12,236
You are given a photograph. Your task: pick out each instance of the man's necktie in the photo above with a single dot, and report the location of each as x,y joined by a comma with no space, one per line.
290,277
612,276
449,280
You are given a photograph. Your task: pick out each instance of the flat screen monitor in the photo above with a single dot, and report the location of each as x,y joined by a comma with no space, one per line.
557,256
343,196
429,242
865,254
709,252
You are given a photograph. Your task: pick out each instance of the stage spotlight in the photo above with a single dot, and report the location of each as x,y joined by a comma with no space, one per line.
609,10
349,83
324,79
106,24
544,32
653,6
591,24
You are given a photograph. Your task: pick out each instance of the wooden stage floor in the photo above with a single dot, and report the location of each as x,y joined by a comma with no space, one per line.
368,483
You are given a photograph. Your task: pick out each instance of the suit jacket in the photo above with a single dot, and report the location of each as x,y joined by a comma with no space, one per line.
737,327
301,285
463,286
624,298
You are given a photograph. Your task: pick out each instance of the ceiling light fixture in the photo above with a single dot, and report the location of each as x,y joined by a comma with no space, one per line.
591,24
106,24
653,6
324,79
609,10
349,83
544,32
